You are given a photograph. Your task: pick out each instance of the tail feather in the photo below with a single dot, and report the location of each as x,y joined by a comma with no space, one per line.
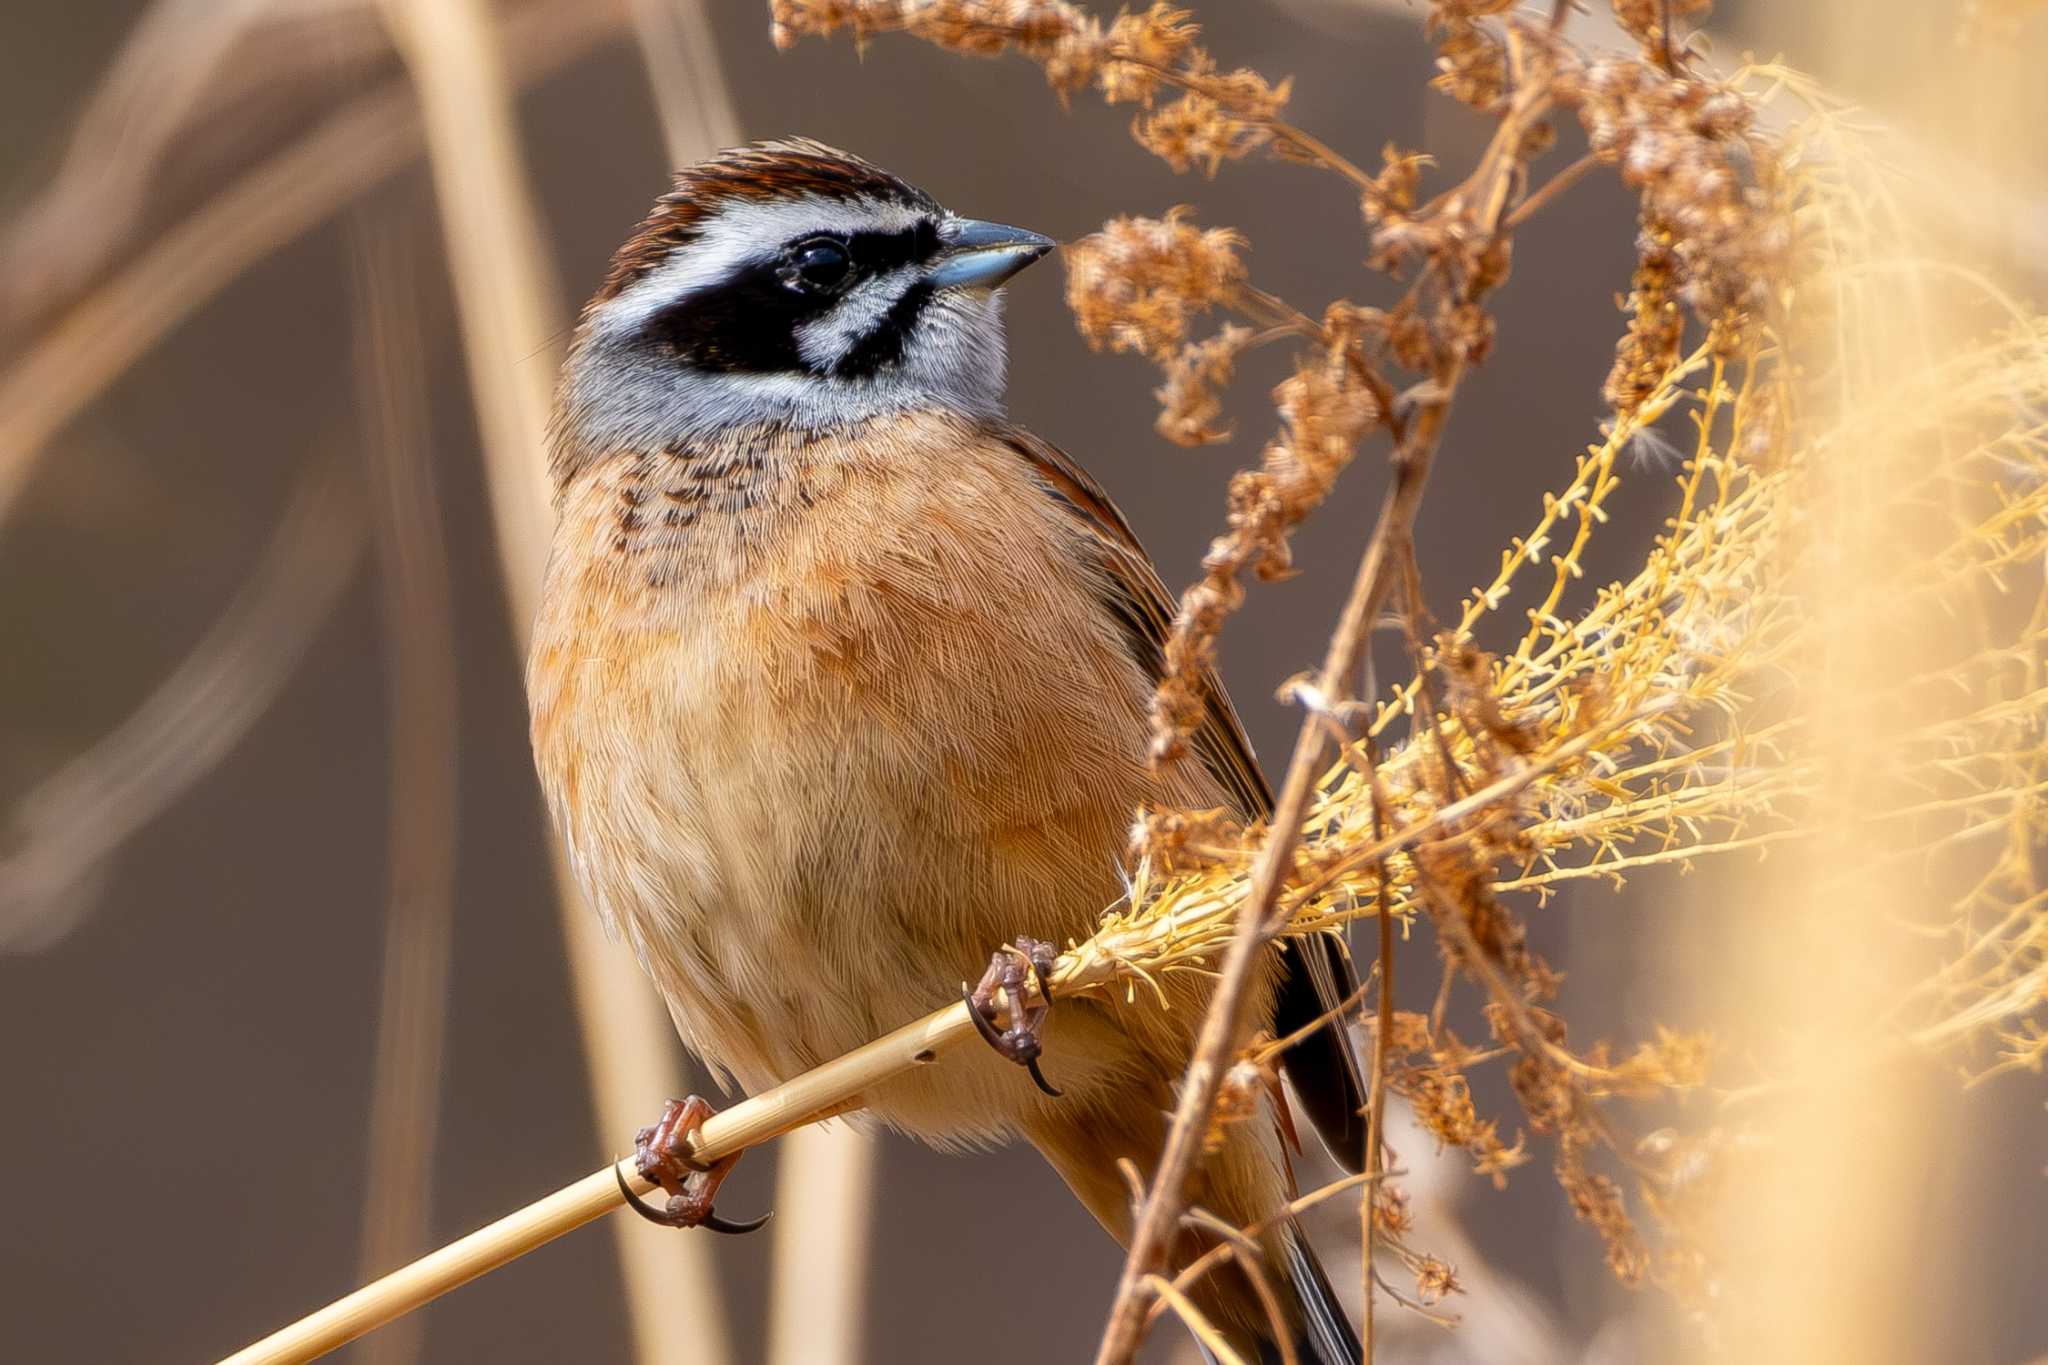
1325,1337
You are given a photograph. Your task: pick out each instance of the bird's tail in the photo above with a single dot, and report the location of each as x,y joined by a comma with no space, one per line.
1239,1183
1320,1330
1324,1335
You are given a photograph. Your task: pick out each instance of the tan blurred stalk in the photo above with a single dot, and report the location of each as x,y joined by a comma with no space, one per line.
169,63
824,1176
163,280
70,824
510,327
824,1198
1827,1252
1816,1241
681,56
418,625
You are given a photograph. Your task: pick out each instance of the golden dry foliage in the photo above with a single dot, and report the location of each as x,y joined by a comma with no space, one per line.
1651,722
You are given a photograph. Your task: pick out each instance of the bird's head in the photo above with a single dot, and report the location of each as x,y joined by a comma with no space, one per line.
789,283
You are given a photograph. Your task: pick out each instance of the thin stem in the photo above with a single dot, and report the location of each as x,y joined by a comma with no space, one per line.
1376,1098
1550,191
1307,142
1224,1025
819,1093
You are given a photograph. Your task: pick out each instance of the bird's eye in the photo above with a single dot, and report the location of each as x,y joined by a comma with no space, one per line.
820,264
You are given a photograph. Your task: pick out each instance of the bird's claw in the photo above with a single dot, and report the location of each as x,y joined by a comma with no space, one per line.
1024,1040
661,1154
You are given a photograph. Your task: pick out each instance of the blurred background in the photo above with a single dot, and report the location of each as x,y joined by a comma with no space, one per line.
285,993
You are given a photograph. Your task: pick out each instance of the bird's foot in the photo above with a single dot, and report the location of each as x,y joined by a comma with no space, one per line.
661,1153
1008,970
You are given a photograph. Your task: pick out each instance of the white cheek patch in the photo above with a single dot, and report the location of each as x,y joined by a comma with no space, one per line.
623,396
743,234
823,340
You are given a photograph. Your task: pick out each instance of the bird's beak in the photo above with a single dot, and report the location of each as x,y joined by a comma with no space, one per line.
982,255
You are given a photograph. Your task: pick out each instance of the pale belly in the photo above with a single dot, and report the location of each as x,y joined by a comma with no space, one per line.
813,828
802,872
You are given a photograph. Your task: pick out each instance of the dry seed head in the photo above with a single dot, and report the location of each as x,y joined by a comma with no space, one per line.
1135,285
1191,401
1658,685
1435,1280
1327,409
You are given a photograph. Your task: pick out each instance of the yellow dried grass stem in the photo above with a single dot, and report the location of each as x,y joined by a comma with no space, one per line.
1126,950
815,1094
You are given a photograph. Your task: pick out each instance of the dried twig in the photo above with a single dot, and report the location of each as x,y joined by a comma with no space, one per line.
509,311
418,621
95,339
1376,1095
64,830
1223,1027
823,1091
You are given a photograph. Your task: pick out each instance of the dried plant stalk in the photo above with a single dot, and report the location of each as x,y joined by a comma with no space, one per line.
97,337
824,1202
816,1094
417,617
507,302
1110,963
61,833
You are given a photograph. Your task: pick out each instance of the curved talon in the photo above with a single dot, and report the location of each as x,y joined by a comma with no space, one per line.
713,1223
1019,1043
1041,958
710,1222
637,1204
662,1155
981,1021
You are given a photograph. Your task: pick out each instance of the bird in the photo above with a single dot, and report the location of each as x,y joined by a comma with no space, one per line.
839,692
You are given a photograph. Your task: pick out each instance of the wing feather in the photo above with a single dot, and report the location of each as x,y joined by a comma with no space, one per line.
1317,974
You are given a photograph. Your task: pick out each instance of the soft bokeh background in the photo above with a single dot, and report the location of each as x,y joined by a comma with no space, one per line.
189,1054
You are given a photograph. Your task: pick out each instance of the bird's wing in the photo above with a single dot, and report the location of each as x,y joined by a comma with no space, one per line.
1317,975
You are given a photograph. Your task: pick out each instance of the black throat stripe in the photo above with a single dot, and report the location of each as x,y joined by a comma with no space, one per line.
882,347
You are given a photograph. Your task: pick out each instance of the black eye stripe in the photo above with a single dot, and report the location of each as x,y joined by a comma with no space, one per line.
749,322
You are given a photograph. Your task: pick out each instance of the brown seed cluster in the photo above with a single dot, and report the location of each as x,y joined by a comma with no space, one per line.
1325,410
1135,285
1219,115
1656,324
1715,239
1709,187
1471,57
1250,1090
1191,399
1644,21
